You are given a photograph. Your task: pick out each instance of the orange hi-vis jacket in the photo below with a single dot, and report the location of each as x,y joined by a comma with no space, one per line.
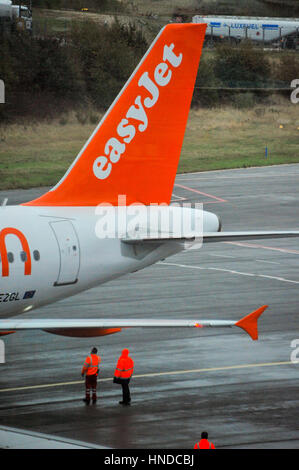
204,444
125,366
91,365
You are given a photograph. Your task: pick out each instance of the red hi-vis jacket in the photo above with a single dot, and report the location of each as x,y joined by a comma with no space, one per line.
204,444
91,365
125,366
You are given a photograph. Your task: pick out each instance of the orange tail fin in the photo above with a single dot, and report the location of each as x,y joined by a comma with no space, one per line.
135,149
249,323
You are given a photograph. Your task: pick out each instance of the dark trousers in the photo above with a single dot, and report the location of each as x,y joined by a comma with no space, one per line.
126,391
91,386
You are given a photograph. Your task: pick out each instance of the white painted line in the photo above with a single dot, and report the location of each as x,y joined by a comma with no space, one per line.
222,256
179,197
181,265
268,262
233,272
255,245
282,279
279,278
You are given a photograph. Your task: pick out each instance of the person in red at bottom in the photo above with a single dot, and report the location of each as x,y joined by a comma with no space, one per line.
204,443
123,374
91,370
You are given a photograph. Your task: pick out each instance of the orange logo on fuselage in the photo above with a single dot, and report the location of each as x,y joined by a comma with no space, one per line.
3,250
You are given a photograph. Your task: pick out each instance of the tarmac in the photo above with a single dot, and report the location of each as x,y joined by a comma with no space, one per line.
243,392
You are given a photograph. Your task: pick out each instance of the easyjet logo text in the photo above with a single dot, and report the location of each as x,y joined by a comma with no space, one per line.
3,250
126,130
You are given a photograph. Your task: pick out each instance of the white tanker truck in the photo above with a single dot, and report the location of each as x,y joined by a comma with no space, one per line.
14,17
264,30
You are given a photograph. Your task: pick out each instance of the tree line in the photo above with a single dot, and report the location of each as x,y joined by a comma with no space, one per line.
46,77
243,75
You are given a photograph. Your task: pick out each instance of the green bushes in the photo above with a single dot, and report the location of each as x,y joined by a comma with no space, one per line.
40,75
242,68
206,78
48,76
287,68
108,56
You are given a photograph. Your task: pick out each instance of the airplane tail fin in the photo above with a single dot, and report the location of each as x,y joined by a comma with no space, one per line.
135,149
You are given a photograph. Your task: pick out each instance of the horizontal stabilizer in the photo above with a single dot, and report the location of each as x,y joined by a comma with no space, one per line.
238,236
92,327
208,237
161,238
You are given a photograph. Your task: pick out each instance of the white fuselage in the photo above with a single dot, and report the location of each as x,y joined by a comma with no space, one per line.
49,253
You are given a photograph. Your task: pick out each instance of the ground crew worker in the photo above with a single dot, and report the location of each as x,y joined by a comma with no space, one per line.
123,374
91,370
204,443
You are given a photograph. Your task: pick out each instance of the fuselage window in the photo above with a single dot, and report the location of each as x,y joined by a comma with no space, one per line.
36,255
23,256
10,257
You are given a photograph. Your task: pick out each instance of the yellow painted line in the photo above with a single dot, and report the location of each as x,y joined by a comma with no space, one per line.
211,369
156,374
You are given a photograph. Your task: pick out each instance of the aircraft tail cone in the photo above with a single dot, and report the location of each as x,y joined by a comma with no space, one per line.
249,323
